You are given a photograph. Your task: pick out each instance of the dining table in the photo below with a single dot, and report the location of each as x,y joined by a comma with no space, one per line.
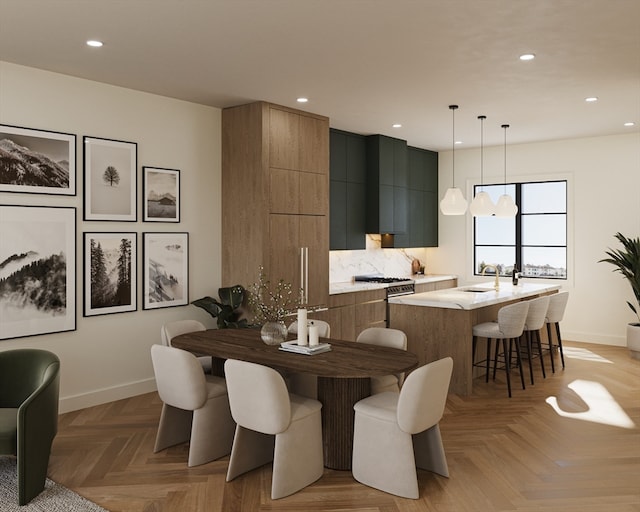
343,375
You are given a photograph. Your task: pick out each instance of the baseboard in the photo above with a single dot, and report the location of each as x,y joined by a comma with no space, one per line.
105,395
600,339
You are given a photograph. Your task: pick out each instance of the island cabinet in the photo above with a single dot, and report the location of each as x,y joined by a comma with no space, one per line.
348,168
275,197
422,200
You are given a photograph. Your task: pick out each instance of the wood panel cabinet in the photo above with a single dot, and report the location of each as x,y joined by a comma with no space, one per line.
275,196
351,313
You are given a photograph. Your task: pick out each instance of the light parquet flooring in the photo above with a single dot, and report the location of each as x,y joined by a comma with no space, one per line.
569,443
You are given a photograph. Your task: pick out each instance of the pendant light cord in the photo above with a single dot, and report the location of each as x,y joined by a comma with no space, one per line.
453,145
482,118
505,126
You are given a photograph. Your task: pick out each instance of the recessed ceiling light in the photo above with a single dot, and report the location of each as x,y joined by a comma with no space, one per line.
397,125
302,100
630,123
94,43
527,56
458,142
591,99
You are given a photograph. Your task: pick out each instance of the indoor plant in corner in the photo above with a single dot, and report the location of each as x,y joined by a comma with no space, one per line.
227,309
627,262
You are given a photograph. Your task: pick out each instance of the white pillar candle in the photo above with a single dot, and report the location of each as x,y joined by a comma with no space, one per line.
302,327
314,339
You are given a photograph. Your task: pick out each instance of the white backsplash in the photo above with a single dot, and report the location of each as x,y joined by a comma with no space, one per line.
343,265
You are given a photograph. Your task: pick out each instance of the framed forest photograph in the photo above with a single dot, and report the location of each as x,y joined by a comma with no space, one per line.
166,269
37,270
110,179
161,194
109,273
37,161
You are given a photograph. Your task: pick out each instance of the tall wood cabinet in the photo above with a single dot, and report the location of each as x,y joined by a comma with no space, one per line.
275,196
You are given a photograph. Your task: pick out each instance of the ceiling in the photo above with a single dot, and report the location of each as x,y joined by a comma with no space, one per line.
366,64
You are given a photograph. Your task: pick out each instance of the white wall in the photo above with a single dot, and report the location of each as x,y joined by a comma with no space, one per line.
107,357
604,198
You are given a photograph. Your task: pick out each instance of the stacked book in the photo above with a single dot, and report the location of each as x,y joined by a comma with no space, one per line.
292,346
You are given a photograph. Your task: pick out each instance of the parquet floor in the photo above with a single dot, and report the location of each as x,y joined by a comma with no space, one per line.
569,443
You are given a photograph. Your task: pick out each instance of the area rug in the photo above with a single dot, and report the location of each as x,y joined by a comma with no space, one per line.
54,498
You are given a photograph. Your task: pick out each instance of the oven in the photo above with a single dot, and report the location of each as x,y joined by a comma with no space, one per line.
396,286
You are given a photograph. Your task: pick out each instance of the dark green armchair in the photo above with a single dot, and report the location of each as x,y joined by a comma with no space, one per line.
29,390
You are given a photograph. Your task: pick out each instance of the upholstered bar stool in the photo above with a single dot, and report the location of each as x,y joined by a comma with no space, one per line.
535,321
509,327
384,337
555,313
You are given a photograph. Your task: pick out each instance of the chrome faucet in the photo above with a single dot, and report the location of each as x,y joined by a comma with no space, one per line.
496,285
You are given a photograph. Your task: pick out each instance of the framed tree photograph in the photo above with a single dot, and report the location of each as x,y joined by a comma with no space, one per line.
37,270
166,269
109,273
110,179
161,194
37,161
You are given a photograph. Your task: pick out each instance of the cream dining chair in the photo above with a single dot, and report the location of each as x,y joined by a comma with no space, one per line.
396,432
385,337
195,406
172,329
302,383
273,425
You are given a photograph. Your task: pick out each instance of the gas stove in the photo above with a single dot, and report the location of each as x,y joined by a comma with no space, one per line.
397,285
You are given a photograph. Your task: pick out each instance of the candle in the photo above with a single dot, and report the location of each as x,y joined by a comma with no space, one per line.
302,327
313,335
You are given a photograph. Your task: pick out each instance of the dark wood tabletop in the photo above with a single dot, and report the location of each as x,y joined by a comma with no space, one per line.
346,359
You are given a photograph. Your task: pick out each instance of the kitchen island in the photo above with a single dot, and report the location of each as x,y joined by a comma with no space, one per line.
440,323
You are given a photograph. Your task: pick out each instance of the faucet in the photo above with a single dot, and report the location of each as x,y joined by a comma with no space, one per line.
496,285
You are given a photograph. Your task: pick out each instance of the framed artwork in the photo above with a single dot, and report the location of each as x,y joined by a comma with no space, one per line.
37,270
161,194
109,273
37,161
110,179
166,269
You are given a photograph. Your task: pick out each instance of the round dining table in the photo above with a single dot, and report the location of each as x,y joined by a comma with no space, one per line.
343,375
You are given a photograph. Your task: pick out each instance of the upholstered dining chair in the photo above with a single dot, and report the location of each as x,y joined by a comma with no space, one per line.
273,425
386,337
555,313
302,383
508,329
396,432
172,329
29,391
531,332
195,406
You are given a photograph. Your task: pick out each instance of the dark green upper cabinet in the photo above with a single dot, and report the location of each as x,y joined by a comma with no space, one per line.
422,198
347,191
387,179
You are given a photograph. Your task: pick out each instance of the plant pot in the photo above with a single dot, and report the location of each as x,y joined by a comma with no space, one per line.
633,340
273,333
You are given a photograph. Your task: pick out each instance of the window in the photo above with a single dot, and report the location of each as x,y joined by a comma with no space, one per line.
535,239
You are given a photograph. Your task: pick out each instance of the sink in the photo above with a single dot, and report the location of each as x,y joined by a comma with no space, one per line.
477,290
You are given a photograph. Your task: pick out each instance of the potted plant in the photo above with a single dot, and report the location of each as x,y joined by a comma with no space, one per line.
627,262
227,309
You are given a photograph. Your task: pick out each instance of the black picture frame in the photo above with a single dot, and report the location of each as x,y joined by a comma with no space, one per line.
161,194
37,270
110,179
37,161
165,259
110,273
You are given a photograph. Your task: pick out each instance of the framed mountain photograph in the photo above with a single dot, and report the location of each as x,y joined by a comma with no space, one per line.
110,179
166,269
37,270
37,161
109,273
161,194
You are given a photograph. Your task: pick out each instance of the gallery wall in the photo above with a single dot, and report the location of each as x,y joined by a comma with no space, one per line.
603,176
107,357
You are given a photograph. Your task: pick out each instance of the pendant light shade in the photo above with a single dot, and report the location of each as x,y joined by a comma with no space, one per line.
453,202
482,205
505,207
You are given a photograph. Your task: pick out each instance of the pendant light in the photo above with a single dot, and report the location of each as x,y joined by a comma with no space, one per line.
453,202
505,206
482,205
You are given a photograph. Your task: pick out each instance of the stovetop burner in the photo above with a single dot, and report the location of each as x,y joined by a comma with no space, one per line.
380,279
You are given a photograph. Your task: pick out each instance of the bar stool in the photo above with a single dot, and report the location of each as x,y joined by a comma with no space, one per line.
535,320
509,326
555,313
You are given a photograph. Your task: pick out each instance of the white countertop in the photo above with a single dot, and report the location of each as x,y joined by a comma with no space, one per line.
351,286
458,298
